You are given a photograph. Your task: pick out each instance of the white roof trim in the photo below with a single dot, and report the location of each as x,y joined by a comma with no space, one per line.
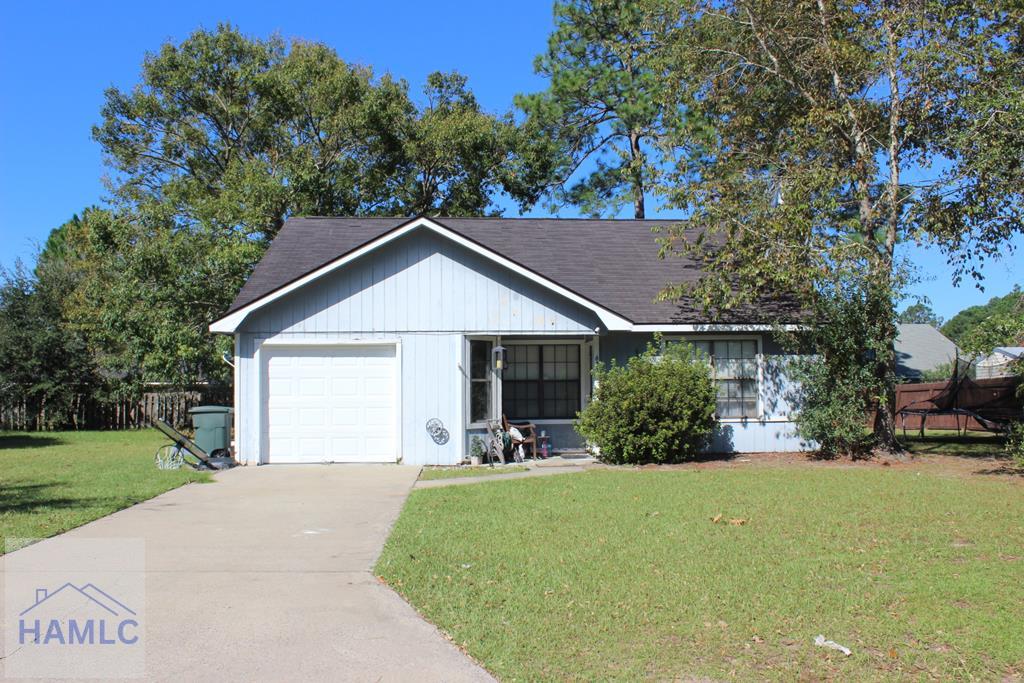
712,327
231,322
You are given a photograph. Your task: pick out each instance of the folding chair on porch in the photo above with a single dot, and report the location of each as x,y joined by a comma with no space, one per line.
496,442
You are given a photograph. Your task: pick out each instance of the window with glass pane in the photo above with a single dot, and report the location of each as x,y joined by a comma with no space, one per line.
541,381
735,369
479,380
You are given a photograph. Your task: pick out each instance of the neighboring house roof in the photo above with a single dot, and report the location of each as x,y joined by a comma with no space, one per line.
1002,355
1010,351
612,263
921,347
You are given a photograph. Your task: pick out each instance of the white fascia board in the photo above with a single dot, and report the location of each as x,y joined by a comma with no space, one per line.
230,323
713,327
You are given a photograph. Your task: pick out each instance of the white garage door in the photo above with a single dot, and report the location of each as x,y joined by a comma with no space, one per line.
331,404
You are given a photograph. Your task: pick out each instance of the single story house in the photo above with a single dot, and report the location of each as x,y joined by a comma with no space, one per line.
1000,362
921,348
378,339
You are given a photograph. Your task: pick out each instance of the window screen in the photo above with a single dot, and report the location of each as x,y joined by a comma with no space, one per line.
541,381
734,364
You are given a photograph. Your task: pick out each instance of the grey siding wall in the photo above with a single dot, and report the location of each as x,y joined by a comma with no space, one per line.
425,293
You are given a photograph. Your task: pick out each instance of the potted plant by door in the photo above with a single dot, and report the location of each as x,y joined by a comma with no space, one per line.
477,451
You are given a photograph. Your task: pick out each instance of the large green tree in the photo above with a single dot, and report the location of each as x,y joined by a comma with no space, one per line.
223,139
961,325
46,365
146,293
920,312
820,124
455,157
602,115
233,134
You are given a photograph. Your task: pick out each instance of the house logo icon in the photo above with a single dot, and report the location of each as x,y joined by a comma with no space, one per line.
77,615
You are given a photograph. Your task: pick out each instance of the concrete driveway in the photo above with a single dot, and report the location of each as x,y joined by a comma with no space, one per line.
265,575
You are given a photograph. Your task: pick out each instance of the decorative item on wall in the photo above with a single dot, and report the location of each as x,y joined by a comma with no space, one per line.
437,431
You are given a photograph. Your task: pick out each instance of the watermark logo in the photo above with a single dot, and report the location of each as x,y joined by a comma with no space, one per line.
75,608
102,618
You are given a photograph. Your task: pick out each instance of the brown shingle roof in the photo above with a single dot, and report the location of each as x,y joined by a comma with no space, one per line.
613,263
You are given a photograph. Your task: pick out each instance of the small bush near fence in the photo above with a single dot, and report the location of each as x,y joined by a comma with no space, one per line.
18,414
660,407
1015,443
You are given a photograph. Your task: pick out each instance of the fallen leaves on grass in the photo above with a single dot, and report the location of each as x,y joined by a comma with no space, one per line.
739,521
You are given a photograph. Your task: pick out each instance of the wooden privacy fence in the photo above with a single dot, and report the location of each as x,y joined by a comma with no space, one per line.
89,413
996,396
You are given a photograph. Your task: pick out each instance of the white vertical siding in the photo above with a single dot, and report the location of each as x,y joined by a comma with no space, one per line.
423,283
430,388
424,292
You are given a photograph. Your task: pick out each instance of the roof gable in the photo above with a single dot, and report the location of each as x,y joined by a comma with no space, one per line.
239,311
613,265
422,282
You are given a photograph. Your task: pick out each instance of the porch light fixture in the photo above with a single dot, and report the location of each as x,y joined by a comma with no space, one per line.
499,358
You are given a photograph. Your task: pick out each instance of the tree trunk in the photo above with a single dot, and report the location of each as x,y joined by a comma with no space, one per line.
885,411
637,163
882,310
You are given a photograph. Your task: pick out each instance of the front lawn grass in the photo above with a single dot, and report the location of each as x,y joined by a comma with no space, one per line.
430,473
55,481
614,574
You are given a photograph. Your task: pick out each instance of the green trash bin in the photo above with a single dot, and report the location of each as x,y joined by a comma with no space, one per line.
213,427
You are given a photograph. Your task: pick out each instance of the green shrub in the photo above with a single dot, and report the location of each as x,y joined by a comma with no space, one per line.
834,406
659,407
1015,443
835,386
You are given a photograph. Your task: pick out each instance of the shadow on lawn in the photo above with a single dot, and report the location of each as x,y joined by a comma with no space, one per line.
28,441
965,446
1004,470
23,498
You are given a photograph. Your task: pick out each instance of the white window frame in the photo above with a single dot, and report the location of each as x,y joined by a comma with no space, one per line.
495,379
759,339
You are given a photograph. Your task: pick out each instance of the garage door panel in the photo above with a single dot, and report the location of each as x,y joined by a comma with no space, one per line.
378,445
345,415
312,417
279,445
280,387
313,448
377,417
345,445
376,387
281,416
344,387
336,404
312,387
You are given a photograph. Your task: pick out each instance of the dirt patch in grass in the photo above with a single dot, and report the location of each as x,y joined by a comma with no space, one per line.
986,458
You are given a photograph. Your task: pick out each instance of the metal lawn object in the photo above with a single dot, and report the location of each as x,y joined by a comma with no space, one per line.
966,398
496,443
184,451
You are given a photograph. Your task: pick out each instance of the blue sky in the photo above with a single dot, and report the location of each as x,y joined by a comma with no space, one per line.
56,59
